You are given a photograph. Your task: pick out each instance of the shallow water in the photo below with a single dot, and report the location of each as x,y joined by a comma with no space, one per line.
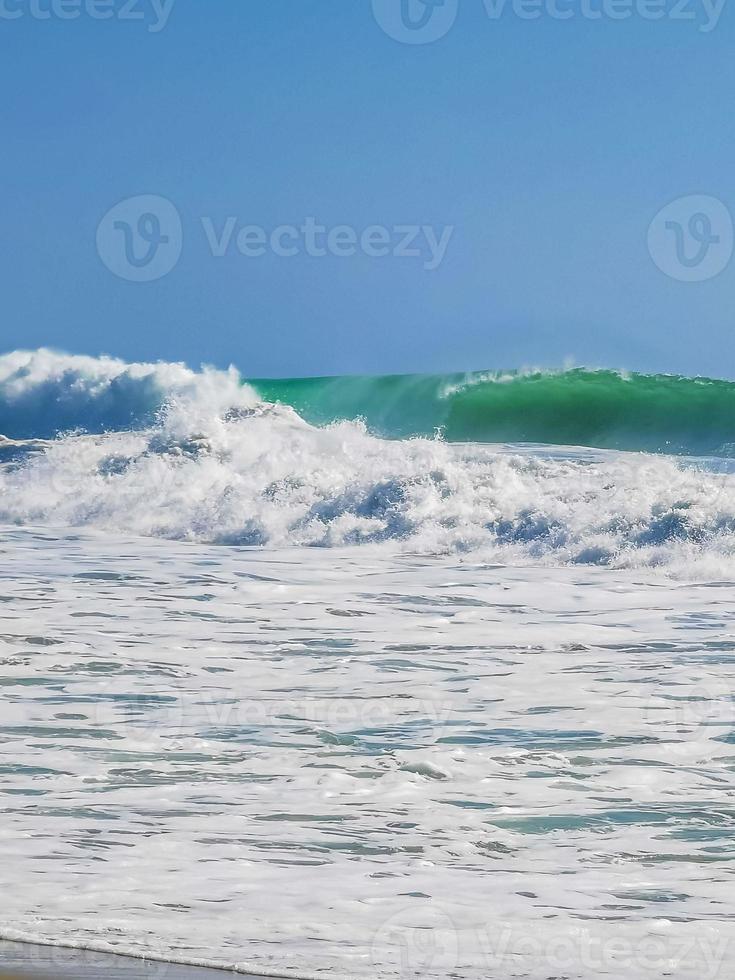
25,960
352,762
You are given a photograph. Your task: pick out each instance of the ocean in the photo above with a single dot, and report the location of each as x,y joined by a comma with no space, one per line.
373,678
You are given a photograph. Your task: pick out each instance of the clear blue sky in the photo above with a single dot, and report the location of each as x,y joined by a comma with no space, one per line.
548,144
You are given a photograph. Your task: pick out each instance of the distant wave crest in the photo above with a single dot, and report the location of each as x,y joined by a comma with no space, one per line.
575,407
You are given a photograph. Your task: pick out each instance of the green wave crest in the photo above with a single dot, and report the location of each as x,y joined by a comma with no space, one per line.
578,407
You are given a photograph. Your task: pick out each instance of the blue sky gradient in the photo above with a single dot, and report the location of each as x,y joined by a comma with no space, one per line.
549,145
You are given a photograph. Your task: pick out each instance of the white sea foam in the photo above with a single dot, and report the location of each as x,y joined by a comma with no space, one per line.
204,460
43,393
341,763
386,755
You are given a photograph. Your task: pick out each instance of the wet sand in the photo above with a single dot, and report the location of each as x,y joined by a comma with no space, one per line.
19,961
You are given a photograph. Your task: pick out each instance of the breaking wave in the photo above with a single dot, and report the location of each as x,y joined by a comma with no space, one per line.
577,407
165,451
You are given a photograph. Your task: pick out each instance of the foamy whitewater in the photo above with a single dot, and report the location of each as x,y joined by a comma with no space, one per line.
308,691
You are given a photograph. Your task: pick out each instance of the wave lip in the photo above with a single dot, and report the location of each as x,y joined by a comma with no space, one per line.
575,407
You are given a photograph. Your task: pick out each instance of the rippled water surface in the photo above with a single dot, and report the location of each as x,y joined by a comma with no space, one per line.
350,763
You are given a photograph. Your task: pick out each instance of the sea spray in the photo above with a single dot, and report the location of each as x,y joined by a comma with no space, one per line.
204,459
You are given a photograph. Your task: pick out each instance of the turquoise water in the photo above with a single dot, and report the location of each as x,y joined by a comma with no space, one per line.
604,409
